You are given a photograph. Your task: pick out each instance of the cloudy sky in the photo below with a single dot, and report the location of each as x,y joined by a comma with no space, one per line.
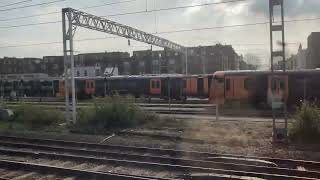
247,39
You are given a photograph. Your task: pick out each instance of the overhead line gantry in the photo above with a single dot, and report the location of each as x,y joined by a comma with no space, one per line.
72,18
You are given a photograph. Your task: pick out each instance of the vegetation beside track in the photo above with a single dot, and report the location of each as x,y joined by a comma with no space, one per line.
33,118
306,124
103,116
111,114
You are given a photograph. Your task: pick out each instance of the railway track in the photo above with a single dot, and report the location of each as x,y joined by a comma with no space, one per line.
138,100
150,162
188,109
180,109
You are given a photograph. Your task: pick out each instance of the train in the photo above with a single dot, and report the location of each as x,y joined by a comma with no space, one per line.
258,88
264,89
164,86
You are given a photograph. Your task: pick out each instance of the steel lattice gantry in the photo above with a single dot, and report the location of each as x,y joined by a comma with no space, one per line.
72,18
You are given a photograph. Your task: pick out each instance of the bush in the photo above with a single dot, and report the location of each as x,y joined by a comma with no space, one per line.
111,114
306,125
35,118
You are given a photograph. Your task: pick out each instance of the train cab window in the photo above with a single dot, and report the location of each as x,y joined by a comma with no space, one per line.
219,79
158,84
88,85
91,84
227,84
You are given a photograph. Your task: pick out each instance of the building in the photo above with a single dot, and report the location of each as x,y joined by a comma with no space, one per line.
301,58
88,71
291,63
53,65
201,60
313,56
12,65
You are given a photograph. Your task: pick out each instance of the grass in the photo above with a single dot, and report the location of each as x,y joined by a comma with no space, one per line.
33,118
111,114
306,125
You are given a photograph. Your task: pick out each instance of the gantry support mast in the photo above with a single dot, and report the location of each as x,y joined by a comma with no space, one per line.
72,18
277,27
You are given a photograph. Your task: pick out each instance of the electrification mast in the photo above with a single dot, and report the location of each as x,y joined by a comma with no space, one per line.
72,18
277,28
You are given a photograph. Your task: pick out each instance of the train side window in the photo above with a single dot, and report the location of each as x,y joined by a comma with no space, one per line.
248,84
184,83
158,84
88,85
281,84
274,84
153,84
227,84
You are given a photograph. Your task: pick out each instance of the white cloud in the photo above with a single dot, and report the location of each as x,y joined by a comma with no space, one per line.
196,17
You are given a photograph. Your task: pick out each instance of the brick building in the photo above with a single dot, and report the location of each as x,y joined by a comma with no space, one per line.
201,60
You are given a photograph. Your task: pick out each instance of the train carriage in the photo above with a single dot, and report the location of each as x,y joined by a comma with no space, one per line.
262,88
180,86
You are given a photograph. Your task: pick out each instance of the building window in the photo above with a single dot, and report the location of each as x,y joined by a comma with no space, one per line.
85,73
78,74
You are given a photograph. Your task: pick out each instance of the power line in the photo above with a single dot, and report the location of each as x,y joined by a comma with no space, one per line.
31,24
177,31
55,42
58,12
215,27
107,4
19,2
127,13
173,8
115,37
31,5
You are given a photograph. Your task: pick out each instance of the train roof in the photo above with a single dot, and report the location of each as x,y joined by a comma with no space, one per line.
259,72
145,76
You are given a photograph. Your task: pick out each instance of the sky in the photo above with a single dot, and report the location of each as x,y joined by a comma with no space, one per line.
248,39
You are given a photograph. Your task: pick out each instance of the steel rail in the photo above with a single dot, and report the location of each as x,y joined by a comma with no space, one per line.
17,165
147,165
167,160
160,151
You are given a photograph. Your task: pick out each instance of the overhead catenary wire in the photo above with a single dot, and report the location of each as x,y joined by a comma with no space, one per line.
15,3
116,37
127,13
31,5
181,30
58,12
174,8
